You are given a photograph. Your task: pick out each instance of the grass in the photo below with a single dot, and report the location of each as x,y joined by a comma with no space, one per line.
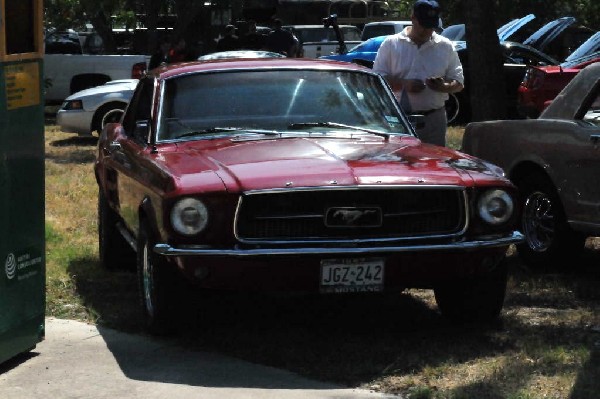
546,345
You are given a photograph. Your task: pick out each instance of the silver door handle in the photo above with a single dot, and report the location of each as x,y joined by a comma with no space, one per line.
114,146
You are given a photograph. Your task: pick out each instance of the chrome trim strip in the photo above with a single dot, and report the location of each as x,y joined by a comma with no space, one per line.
354,188
320,240
166,250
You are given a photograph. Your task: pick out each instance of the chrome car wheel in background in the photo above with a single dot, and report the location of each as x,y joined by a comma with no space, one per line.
108,113
452,108
112,116
538,221
549,240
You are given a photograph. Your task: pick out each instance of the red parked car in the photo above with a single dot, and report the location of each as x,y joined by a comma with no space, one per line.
294,175
541,84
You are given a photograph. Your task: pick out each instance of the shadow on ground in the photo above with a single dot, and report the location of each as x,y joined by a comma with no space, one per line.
359,341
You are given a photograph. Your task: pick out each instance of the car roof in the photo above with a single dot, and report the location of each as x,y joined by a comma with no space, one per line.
389,23
241,54
249,64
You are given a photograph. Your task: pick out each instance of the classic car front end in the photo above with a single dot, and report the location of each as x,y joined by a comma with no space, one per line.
89,110
296,175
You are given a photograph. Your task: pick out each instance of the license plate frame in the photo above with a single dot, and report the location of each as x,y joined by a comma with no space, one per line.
348,275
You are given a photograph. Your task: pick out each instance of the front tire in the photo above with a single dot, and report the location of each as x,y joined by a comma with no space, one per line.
477,298
115,253
157,286
548,237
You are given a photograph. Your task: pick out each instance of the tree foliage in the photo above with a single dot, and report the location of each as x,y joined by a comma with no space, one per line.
587,12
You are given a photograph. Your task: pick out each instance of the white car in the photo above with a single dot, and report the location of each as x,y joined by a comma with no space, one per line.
89,110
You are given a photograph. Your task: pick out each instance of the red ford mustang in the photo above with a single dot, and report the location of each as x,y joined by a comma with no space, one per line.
294,175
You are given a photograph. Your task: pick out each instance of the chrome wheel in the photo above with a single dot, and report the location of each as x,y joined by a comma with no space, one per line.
538,221
452,106
549,240
112,116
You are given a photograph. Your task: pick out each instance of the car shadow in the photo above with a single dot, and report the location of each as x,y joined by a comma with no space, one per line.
343,341
330,341
79,155
78,141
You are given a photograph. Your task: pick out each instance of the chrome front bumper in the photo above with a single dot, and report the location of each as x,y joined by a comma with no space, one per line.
199,250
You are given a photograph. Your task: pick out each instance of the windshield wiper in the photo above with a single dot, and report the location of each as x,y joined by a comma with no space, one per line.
304,125
218,129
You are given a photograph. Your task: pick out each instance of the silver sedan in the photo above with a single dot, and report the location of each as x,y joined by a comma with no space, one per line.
89,110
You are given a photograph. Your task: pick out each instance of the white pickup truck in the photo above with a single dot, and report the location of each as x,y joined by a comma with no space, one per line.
70,73
318,40
68,70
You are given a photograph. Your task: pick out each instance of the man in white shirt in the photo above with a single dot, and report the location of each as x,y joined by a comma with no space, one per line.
422,67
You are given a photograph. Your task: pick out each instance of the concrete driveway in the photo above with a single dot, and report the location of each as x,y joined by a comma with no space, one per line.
77,360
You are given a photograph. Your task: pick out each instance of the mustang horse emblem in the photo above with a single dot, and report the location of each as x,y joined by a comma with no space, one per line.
353,217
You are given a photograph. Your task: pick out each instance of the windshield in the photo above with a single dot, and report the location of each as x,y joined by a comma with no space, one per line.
274,100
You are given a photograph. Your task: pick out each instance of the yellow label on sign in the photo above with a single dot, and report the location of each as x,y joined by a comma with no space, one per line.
22,85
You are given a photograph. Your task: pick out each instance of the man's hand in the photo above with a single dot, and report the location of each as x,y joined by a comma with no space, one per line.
436,83
442,85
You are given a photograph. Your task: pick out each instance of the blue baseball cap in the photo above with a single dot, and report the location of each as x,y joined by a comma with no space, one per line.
427,12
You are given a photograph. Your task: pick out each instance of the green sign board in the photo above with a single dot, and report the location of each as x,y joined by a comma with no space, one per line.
22,244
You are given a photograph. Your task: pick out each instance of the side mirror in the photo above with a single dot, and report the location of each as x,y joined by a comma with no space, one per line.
142,129
417,121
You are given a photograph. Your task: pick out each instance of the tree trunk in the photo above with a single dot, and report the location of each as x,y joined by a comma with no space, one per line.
485,71
151,23
101,24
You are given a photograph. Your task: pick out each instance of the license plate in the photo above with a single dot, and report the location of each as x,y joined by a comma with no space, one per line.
352,275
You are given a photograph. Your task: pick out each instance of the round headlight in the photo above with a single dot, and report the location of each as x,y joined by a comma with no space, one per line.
495,206
189,216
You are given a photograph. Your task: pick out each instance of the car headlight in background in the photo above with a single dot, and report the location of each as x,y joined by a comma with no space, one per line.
189,216
495,206
72,105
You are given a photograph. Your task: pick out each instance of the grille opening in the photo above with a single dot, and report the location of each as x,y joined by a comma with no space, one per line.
302,215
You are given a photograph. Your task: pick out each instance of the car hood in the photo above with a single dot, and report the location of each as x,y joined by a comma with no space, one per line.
510,28
302,162
541,38
109,87
588,48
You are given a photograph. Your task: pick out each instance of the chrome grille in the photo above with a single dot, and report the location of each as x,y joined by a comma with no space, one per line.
406,212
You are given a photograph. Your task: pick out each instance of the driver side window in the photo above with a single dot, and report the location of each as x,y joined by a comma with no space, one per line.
140,107
592,114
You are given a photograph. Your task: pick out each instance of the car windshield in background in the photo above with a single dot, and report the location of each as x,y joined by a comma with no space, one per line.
454,32
277,101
